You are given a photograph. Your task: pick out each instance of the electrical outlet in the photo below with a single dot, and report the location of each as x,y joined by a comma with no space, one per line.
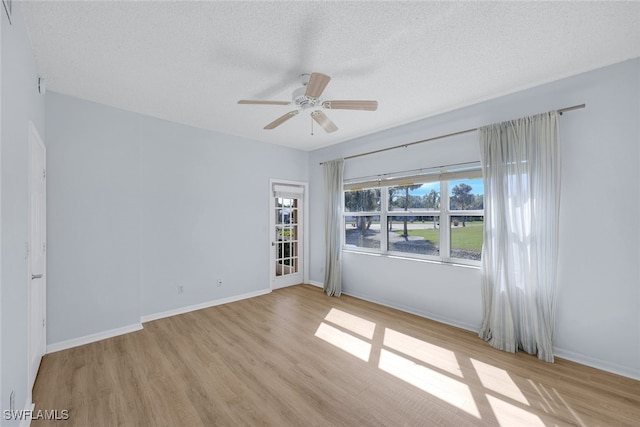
180,289
219,282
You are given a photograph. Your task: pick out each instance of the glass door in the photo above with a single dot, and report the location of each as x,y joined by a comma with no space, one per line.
287,237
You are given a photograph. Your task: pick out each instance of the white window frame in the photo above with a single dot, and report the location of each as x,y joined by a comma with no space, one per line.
445,213
363,214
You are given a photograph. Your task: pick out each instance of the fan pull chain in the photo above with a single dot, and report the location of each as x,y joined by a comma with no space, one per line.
311,124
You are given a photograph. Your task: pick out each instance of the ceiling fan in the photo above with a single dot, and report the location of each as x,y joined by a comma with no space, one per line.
309,97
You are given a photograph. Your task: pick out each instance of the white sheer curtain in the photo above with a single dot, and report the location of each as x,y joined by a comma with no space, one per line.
333,226
521,166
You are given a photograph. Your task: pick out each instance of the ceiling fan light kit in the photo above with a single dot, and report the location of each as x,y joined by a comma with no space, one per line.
309,97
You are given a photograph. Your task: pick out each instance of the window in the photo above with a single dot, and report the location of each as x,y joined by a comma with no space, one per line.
286,235
362,218
437,215
466,218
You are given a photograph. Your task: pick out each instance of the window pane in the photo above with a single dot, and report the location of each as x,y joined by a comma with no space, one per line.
362,200
467,233
283,202
466,194
286,210
414,234
362,231
418,196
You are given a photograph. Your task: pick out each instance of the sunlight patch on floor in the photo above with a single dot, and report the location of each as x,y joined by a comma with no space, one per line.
344,341
352,323
566,405
511,415
436,370
439,385
428,353
498,380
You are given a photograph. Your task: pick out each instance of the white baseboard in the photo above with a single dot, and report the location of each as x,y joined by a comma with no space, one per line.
314,283
88,339
182,310
559,352
385,303
425,314
597,363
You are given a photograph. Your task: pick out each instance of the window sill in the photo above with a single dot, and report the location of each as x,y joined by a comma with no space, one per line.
407,258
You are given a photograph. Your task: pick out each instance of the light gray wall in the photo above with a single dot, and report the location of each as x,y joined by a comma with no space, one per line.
93,218
21,103
598,321
205,213
138,205
440,292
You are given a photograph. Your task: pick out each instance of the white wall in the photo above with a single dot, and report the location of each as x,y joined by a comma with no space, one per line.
21,103
93,218
139,205
598,320
205,213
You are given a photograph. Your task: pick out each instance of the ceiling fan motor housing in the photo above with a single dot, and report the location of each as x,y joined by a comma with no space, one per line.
303,101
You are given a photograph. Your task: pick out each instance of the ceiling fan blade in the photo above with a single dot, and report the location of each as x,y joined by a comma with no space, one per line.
249,101
351,105
280,120
324,121
316,85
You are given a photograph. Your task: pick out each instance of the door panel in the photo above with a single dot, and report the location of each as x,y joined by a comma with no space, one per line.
37,252
287,237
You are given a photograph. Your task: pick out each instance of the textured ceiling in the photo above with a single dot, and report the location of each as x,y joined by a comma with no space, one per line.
190,62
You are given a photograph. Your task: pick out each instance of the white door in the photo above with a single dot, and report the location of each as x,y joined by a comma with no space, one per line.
37,252
287,234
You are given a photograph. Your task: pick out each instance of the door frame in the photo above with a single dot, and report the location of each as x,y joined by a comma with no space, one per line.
304,250
1,145
33,135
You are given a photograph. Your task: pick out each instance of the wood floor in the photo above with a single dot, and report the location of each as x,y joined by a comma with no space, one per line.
297,357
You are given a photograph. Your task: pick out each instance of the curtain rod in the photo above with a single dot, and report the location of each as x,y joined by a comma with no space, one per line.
421,171
561,110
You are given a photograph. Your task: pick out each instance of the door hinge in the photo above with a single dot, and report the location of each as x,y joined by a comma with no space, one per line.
43,323
44,174
44,248
26,250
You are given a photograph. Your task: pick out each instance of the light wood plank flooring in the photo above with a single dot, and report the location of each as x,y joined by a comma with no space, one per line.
297,357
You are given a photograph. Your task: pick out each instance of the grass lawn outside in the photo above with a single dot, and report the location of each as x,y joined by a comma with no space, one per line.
465,238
